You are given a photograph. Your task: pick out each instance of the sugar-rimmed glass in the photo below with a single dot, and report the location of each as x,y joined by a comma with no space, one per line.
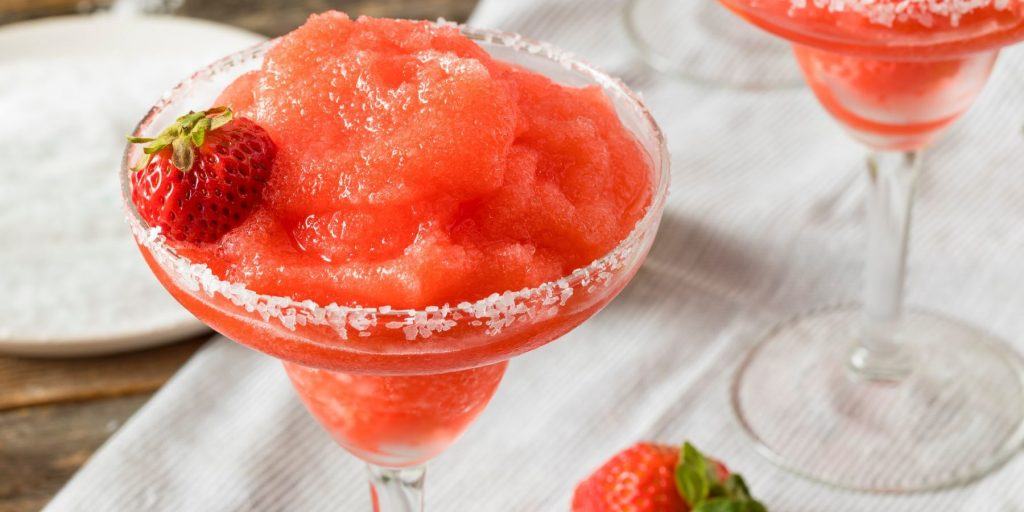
878,397
395,387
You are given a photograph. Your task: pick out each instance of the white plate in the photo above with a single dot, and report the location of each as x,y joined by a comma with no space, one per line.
73,282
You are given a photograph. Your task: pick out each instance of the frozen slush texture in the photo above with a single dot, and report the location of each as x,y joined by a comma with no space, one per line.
414,169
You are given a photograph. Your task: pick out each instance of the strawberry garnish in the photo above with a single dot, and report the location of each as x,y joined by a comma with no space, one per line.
203,175
638,479
656,478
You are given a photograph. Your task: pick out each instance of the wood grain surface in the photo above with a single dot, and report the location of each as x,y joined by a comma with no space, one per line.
55,413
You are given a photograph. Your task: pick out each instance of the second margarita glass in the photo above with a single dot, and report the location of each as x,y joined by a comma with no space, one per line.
875,397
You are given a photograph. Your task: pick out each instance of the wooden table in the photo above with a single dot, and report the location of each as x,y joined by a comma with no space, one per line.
55,413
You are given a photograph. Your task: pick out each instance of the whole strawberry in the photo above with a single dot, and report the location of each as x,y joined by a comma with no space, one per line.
656,478
203,175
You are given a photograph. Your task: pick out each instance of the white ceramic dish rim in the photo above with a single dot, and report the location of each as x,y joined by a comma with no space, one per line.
54,29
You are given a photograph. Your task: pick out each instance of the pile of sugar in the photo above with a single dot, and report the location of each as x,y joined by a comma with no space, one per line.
68,267
887,12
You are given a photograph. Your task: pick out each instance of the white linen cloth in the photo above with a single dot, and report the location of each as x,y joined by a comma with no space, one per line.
764,221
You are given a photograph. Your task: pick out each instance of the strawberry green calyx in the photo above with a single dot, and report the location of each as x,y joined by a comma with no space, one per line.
700,485
187,133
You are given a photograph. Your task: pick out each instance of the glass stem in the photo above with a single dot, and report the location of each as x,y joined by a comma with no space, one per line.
397,489
879,355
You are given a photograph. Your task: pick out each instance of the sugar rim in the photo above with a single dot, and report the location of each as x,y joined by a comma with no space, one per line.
885,13
499,309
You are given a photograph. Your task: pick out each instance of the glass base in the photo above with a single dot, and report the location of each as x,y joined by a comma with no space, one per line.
958,414
701,41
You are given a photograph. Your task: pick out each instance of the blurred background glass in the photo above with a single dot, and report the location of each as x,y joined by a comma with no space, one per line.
700,41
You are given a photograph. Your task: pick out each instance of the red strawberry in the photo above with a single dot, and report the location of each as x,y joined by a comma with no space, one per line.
651,478
203,175
637,479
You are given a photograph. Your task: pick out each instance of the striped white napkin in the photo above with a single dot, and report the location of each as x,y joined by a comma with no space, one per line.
764,220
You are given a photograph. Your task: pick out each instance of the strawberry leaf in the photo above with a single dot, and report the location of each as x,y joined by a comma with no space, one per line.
187,133
698,483
189,120
182,154
736,486
692,475
221,118
159,143
199,132
143,162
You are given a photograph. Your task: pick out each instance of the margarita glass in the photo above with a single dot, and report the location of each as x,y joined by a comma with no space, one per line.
873,397
395,387
694,40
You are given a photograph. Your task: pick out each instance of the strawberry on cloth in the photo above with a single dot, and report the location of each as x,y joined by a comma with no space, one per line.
650,477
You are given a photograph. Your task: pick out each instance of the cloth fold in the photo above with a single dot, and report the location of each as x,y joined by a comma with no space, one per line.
763,221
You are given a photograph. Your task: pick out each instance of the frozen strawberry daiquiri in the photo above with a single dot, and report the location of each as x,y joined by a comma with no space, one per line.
894,72
932,402
394,210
